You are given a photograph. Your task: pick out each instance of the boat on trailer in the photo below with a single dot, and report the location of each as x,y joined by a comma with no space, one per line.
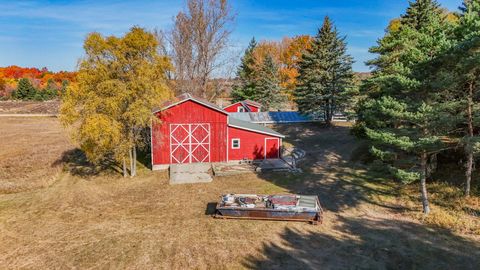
286,207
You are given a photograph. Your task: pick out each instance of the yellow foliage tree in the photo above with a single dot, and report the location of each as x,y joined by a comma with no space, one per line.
120,80
286,54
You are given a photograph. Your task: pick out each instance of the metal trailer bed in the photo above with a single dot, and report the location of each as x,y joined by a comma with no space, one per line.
307,209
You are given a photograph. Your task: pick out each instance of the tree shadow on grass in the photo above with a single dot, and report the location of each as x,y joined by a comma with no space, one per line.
144,157
368,244
76,163
328,171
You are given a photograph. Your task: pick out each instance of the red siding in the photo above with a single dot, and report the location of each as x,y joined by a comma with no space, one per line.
189,112
252,145
253,108
234,107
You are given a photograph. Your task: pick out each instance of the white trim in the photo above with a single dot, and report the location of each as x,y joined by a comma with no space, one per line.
160,167
258,131
280,148
240,109
228,136
265,149
233,139
151,142
194,100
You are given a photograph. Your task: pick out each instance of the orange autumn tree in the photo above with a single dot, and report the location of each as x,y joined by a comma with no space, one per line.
286,54
42,79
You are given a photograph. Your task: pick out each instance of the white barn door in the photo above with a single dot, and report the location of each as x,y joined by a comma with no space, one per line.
189,143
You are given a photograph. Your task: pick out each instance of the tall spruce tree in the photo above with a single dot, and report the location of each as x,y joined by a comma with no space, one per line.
325,74
245,87
25,90
459,75
400,113
268,90
469,25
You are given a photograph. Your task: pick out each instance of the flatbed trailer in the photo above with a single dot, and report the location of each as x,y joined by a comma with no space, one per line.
290,207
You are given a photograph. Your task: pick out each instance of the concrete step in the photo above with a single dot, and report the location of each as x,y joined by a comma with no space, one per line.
190,173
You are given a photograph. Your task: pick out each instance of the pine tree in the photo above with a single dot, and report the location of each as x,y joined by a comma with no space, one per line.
268,90
469,25
461,73
25,90
50,91
400,113
419,13
325,74
245,88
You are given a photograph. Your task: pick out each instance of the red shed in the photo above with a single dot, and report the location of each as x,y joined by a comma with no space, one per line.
193,130
243,106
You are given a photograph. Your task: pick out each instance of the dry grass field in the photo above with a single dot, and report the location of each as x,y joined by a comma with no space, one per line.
86,220
29,107
30,152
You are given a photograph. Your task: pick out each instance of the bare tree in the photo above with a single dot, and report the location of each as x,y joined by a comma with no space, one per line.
198,41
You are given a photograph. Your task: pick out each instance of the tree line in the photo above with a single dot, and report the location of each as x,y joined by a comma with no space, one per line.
314,72
32,83
422,99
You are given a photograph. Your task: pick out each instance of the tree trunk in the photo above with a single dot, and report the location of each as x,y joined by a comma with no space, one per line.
134,150
468,174
131,162
423,182
328,116
124,168
470,160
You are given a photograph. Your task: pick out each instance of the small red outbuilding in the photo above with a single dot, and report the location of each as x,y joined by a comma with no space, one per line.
193,130
244,106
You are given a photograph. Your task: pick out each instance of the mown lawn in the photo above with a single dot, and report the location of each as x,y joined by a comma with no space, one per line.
85,219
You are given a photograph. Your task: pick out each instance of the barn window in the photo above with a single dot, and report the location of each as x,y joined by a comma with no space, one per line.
240,109
235,143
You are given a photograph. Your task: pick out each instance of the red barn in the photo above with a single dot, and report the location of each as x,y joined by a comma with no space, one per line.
193,130
244,106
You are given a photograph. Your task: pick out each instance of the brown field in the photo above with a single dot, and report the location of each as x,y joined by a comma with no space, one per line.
85,220
29,107
30,152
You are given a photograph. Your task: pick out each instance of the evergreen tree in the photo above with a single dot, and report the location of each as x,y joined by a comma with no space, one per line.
419,13
325,74
50,91
63,90
245,88
469,25
268,90
400,113
25,90
458,74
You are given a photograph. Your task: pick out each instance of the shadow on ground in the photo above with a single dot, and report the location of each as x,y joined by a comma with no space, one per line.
361,244
76,163
328,171
354,239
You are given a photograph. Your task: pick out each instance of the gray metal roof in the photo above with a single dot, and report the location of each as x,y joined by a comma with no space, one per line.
234,122
272,117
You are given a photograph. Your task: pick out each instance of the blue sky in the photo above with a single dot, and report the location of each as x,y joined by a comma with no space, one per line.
50,33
